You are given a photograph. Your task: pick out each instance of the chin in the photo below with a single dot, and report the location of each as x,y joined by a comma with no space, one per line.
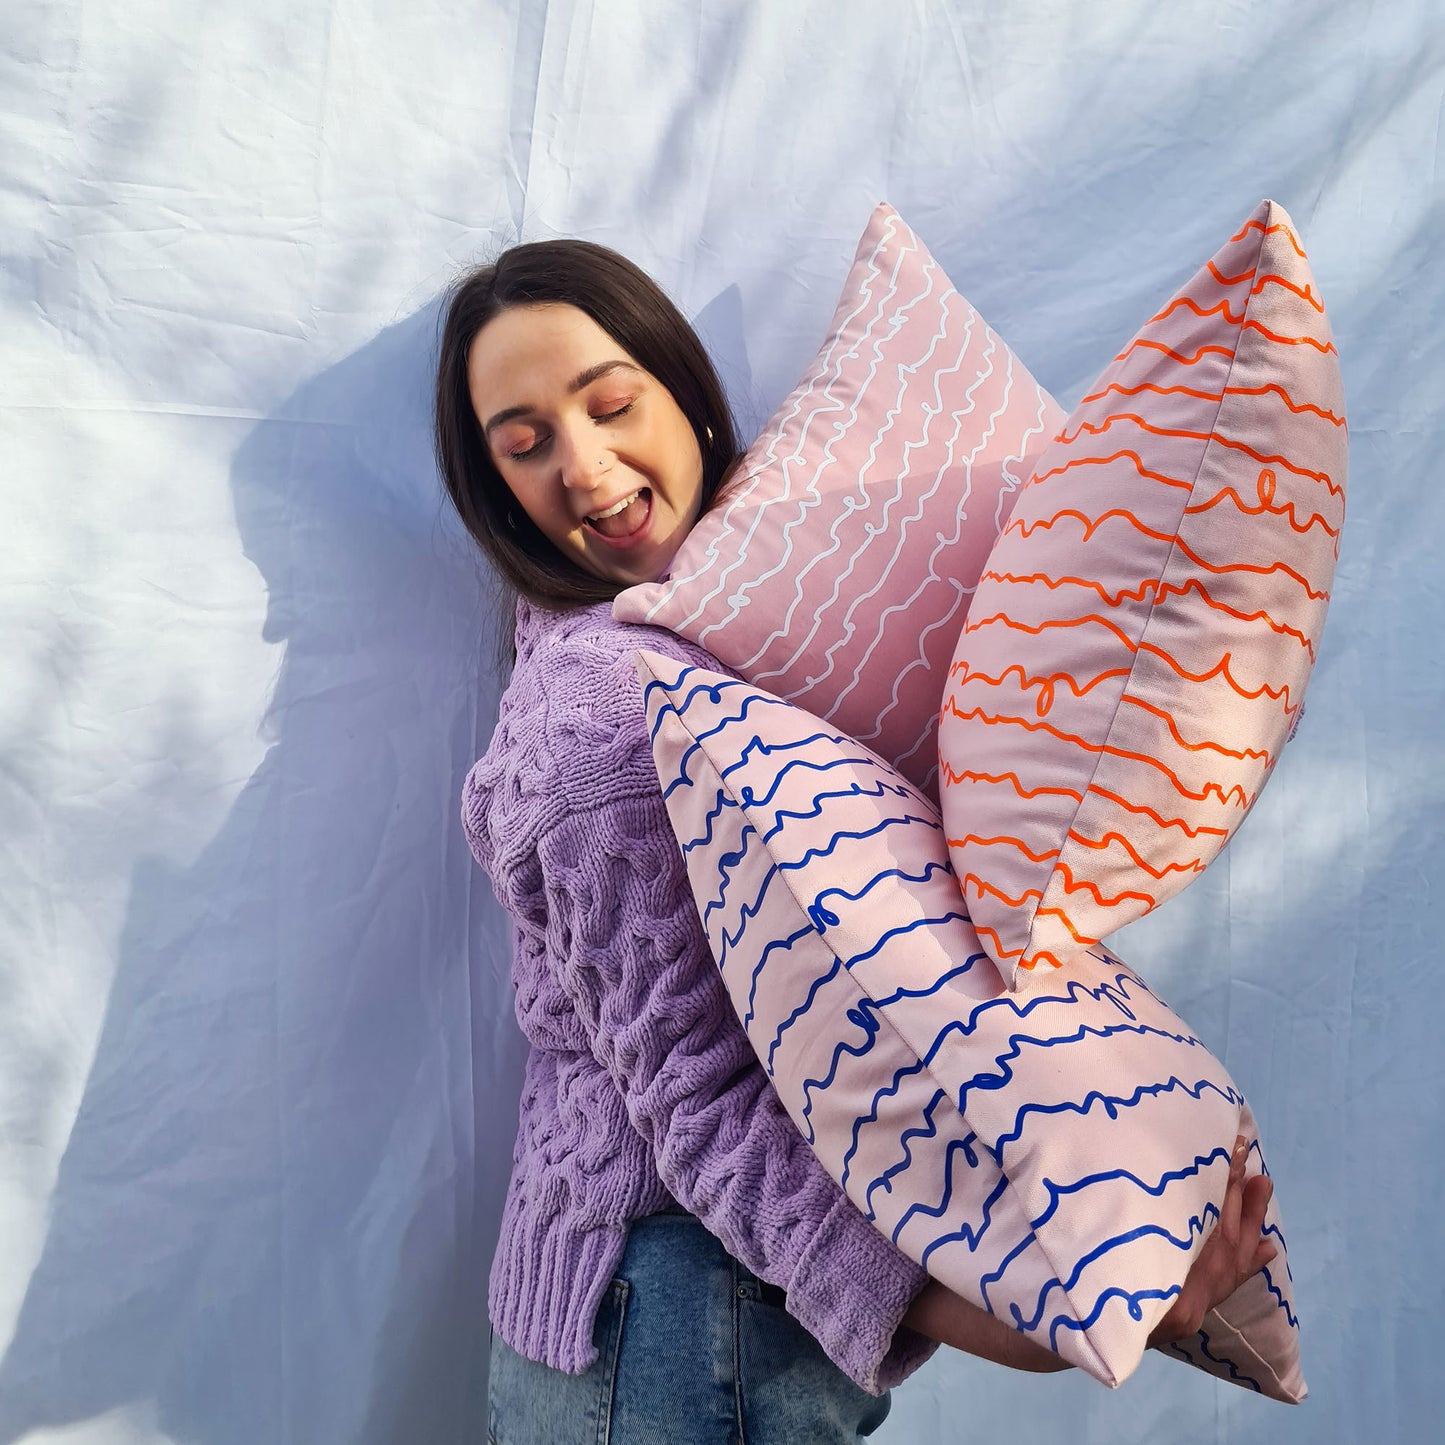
629,571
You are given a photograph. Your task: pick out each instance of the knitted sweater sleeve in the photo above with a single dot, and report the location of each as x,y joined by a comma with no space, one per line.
624,933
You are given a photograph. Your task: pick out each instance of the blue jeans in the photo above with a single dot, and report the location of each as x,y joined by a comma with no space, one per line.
693,1349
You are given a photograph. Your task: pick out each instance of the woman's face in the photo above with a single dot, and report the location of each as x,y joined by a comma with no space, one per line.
594,449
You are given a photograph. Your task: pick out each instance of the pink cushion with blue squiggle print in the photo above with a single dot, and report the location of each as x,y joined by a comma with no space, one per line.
1054,1155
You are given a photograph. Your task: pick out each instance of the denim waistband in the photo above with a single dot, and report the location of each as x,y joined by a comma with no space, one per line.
769,1293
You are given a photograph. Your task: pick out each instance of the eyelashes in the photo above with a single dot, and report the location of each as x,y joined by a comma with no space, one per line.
615,415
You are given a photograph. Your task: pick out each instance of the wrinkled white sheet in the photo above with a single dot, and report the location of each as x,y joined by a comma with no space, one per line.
258,1072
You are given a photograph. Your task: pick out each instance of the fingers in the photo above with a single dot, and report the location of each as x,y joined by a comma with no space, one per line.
1235,1250
1254,1205
1264,1253
1245,1207
1229,1210
1255,1195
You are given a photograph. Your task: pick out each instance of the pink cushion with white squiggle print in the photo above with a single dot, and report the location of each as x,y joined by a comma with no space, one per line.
1054,1157
1136,653
837,569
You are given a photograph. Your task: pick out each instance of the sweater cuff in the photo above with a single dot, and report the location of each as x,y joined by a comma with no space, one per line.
850,1290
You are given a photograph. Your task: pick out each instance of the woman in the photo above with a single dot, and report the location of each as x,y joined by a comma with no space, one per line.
657,1181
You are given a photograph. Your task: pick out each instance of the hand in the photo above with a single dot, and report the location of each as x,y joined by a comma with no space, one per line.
1234,1252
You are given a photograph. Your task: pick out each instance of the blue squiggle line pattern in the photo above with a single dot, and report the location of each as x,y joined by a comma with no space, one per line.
773,945
1196,1225
800,1010
928,1131
1114,1102
774,800
1278,1293
750,797
1004,1061
1057,1192
787,819
704,839
824,917
1231,1370
968,1234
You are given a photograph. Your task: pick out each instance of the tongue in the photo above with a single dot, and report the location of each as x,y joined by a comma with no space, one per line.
625,522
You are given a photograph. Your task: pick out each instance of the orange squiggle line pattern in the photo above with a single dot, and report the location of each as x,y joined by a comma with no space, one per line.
1269,388
998,947
1095,429
970,775
1140,831
1207,746
1113,457
1188,303
1248,274
985,888
1235,794
1154,814
1192,865
1269,231
1008,841
1305,293
1219,670
1146,343
1287,511
1092,524
1160,591
1043,958
1045,683
1328,347
1087,885
1083,939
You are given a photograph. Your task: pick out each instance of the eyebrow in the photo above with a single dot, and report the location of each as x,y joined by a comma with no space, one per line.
580,382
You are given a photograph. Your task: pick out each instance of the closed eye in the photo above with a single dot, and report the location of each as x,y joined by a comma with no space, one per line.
526,453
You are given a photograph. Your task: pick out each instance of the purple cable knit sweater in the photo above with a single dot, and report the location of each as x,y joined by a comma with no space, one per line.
639,1081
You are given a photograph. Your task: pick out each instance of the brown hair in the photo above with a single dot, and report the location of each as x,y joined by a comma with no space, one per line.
634,311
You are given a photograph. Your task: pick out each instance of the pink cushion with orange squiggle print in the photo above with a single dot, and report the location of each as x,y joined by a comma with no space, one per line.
1137,650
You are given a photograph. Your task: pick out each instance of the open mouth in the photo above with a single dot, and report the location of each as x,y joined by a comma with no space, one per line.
625,518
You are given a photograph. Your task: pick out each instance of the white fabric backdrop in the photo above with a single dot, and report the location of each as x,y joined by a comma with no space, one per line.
257,1066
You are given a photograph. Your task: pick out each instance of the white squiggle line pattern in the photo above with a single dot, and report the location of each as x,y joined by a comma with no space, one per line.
952,464
741,490
800,496
860,513
852,512
805,388
946,544
1004,502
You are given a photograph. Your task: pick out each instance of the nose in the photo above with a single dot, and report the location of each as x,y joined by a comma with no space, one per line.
582,458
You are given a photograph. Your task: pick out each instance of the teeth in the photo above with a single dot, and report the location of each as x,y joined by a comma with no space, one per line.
613,511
